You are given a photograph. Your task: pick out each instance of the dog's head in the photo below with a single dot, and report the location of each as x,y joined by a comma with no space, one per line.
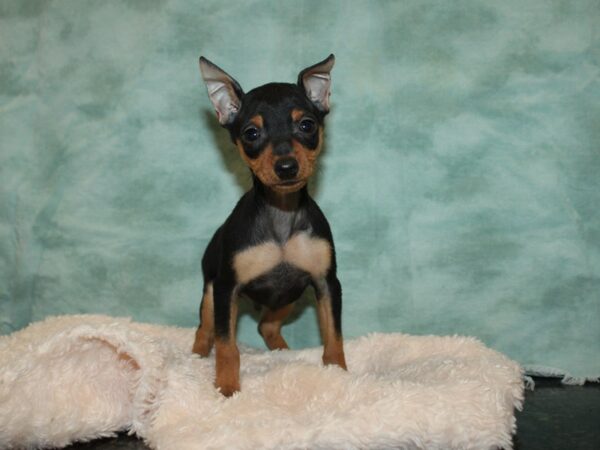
277,127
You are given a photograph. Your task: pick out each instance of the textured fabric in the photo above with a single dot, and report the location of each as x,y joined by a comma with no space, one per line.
460,175
79,377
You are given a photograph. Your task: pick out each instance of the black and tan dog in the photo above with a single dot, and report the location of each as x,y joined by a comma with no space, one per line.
276,242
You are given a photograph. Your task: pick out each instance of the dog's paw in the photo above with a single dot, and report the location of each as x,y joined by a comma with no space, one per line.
337,359
229,389
203,349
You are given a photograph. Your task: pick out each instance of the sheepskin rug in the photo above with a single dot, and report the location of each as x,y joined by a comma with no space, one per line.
74,378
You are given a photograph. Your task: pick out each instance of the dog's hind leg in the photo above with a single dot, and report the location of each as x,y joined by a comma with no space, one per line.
270,327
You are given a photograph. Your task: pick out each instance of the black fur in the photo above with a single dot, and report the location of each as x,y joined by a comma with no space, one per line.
254,221
274,101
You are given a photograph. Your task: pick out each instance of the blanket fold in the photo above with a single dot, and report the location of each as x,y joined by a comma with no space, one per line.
72,378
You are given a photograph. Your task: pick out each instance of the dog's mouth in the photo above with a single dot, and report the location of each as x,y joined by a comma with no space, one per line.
289,185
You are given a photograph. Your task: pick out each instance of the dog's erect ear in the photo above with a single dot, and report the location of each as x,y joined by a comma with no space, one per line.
224,92
316,81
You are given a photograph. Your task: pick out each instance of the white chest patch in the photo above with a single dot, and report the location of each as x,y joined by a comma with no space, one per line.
313,255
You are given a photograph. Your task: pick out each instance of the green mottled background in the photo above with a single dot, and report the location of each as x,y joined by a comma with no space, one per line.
461,175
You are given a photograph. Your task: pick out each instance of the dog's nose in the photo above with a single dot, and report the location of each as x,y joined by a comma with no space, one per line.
286,168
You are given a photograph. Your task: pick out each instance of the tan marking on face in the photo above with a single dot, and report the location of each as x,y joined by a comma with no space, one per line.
257,121
307,158
255,261
297,114
206,331
313,255
262,166
307,161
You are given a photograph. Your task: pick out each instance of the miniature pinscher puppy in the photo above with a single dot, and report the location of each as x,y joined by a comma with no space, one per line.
276,242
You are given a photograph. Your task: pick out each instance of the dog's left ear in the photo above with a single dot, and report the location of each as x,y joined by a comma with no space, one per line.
316,81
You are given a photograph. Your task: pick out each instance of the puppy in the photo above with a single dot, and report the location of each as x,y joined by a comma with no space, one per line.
276,242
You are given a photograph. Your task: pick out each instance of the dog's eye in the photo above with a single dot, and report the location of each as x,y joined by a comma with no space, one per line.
251,134
307,125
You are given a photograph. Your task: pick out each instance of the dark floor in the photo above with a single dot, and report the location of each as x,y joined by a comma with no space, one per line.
555,417
559,417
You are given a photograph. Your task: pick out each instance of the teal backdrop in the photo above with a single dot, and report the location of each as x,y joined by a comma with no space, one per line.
461,174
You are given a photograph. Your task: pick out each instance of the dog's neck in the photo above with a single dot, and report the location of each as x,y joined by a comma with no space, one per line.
282,213
288,201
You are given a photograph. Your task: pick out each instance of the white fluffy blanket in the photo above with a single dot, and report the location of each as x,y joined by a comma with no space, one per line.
79,377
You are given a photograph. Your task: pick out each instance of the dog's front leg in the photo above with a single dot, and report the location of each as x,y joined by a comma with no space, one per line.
227,378
329,307
205,335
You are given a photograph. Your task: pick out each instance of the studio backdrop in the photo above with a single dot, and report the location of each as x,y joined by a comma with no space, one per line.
461,174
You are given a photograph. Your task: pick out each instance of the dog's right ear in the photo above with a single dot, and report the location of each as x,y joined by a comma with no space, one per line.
224,92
